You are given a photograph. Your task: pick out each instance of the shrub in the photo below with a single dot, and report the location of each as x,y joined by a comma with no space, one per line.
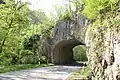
43,59
30,59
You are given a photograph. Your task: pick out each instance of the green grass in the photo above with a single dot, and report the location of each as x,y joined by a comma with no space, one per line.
80,74
85,71
4,69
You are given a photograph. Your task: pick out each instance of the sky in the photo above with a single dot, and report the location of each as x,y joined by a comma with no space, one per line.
45,5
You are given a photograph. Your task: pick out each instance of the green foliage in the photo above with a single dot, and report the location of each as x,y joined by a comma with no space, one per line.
63,12
19,25
32,42
40,29
93,8
43,59
36,45
30,59
40,23
66,15
80,74
13,21
68,9
84,71
80,53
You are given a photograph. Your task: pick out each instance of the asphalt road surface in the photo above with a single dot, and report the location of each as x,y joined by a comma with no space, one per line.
43,73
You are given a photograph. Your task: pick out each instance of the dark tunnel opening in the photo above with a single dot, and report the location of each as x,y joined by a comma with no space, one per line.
63,51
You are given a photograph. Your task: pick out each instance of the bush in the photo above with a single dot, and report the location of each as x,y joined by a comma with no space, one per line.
79,53
5,61
43,59
33,59
30,59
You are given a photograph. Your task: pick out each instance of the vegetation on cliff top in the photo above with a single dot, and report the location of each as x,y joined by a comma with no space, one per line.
94,8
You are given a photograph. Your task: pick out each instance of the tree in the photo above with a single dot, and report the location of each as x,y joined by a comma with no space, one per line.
68,9
40,29
13,21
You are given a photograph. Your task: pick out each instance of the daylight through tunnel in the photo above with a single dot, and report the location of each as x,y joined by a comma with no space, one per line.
63,51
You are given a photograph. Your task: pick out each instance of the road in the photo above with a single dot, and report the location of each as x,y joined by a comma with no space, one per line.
43,73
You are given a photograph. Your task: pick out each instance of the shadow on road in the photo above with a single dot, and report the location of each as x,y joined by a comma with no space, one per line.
75,63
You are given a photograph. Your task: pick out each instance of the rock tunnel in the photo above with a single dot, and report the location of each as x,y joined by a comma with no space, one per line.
63,51
66,35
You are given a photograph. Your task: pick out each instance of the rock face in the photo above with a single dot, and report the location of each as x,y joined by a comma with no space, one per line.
103,44
67,34
2,2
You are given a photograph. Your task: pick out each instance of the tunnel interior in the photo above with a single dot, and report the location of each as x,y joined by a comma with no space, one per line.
63,51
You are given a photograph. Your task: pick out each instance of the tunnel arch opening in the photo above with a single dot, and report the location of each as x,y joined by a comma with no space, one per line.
63,51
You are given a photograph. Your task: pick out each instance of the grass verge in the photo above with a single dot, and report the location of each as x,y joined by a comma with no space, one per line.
4,69
80,74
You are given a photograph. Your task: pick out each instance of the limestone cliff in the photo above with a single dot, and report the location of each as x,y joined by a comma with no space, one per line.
103,47
2,2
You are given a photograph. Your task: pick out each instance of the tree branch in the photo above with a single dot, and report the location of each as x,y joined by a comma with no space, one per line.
3,42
